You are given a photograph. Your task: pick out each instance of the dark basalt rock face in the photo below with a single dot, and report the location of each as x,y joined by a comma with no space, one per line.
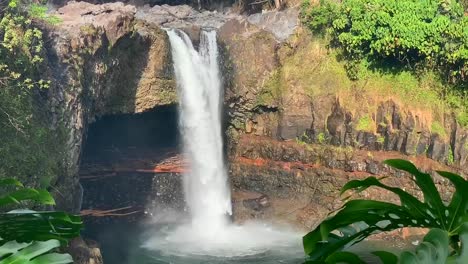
303,182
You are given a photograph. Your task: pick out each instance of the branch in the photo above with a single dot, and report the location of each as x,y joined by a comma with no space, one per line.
13,121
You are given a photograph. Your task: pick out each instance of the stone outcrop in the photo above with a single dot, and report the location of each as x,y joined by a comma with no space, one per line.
276,90
102,62
300,183
85,252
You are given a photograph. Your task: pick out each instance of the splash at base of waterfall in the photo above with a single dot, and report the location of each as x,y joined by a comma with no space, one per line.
249,239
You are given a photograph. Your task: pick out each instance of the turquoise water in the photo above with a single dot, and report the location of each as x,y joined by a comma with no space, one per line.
122,244
268,257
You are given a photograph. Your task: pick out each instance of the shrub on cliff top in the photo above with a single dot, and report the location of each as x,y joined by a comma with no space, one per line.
400,33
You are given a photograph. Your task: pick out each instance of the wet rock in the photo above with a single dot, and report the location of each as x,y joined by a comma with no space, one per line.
460,145
423,143
336,125
293,126
355,166
85,252
438,148
257,204
372,167
412,141
304,181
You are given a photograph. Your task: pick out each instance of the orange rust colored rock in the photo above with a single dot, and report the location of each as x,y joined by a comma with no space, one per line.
408,232
256,162
170,168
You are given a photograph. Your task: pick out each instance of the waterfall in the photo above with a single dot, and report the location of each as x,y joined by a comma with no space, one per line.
205,185
199,88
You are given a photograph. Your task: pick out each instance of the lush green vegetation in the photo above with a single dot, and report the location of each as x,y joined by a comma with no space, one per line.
29,148
28,236
414,51
321,71
412,34
447,242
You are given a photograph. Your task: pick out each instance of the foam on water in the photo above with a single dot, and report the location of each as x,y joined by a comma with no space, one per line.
233,241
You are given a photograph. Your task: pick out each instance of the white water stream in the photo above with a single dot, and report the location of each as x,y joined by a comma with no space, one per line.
207,194
198,83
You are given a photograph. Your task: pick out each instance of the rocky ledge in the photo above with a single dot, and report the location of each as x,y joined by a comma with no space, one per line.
299,184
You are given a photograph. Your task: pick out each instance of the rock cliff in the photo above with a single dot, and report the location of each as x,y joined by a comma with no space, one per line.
297,129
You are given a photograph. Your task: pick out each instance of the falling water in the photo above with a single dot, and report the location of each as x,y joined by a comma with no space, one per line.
199,86
206,191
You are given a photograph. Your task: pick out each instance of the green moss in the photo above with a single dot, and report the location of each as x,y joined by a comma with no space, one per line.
439,129
324,151
321,138
450,158
380,139
272,90
39,11
238,123
88,29
365,123
426,149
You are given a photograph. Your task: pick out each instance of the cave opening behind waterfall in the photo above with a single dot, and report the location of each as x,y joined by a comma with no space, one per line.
127,137
131,166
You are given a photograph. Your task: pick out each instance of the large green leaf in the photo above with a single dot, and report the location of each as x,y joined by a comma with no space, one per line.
25,194
20,193
32,253
358,219
26,226
462,256
428,188
10,181
354,222
434,249
457,212
344,257
386,257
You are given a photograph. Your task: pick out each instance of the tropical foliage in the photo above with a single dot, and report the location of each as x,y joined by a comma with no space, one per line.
406,33
14,252
29,148
25,235
360,218
434,249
